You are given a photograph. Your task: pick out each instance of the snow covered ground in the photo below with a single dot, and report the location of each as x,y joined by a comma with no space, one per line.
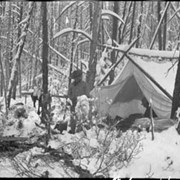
157,159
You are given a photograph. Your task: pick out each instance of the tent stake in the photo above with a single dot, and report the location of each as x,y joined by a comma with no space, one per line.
114,65
152,119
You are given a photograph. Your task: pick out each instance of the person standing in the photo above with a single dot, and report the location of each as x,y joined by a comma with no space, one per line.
77,88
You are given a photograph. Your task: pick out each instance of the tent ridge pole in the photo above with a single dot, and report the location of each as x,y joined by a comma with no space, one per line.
114,65
150,77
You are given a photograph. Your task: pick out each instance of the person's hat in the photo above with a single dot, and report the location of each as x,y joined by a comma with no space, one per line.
76,74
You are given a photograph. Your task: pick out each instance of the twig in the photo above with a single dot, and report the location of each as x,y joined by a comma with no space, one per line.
173,64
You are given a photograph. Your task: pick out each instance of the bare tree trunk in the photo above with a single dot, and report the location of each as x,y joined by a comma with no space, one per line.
31,59
176,93
18,75
90,14
93,55
18,55
73,46
36,64
158,26
45,49
3,83
121,32
160,30
139,25
8,50
123,17
132,24
165,29
151,24
114,37
45,114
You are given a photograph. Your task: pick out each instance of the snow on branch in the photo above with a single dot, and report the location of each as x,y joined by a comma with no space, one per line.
68,30
83,41
17,7
109,12
16,12
50,65
67,7
148,53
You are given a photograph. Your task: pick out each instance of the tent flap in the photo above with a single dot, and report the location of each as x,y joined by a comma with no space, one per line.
124,96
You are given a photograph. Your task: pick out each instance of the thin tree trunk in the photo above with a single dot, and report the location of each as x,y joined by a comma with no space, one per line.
122,32
8,50
165,29
160,30
151,24
45,49
132,24
91,74
158,26
3,83
114,37
90,14
139,25
45,114
18,55
36,64
72,47
176,92
18,75
123,17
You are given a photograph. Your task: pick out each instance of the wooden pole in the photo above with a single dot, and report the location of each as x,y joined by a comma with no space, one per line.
150,77
142,70
155,34
152,120
114,65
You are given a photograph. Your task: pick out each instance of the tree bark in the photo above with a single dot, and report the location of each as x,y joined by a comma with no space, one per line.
45,114
18,75
8,49
73,46
176,92
91,74
18,55
114,37
158,26
132,23
165,29
160,30
122,32
44,49
3,83
139,25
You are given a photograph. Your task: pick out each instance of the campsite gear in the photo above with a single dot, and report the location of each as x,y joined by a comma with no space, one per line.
124,96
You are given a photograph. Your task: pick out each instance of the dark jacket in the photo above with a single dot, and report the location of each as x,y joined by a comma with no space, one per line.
76,90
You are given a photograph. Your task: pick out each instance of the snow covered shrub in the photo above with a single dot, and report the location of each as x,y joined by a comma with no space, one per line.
57,84
102,66
99,153
82,107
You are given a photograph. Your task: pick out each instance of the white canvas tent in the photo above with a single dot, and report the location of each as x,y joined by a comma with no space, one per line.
124,96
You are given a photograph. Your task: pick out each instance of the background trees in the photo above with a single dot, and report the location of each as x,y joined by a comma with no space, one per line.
75,29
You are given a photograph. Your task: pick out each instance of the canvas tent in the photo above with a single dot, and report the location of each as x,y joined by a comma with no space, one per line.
124,96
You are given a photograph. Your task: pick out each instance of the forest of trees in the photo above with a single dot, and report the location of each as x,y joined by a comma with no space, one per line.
59,36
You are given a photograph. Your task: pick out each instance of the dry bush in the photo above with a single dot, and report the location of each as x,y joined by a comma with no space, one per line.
98,153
